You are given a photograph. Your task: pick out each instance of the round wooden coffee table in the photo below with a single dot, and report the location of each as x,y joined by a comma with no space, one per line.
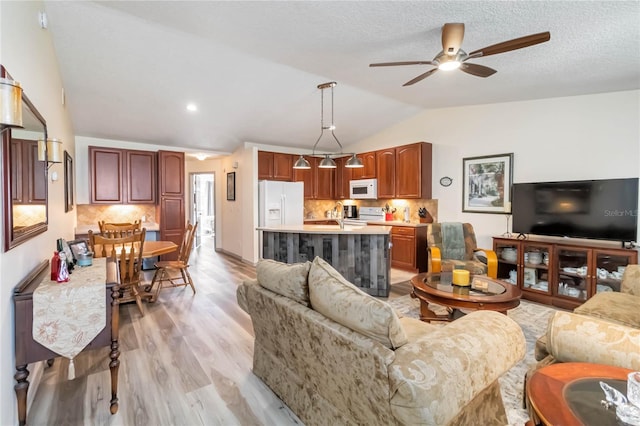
569,393
437,288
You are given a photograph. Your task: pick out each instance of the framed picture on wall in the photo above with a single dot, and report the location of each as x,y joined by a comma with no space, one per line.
486,184
68,182
231,186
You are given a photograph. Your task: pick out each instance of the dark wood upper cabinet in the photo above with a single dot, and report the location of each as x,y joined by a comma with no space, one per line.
342,178
413,170
369,169
120,176
141,177
171,173
386,172
106,169
325,182
275,166
265,165
308,177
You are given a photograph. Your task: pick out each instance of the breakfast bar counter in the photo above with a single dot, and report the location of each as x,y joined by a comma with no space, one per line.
359,253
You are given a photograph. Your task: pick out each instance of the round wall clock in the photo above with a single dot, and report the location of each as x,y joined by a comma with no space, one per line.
446,181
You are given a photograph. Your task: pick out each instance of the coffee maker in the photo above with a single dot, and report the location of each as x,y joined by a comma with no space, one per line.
350,212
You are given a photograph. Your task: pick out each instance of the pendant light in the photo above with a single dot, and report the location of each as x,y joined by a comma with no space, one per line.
327,162
50,151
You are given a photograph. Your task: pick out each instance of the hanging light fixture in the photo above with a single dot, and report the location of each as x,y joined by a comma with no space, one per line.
10,103
50,151
327,162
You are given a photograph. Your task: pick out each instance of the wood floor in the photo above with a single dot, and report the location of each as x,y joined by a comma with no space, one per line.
186,362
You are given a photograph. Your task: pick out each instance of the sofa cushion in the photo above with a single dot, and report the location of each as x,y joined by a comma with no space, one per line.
631,280
621,308
288,280
337,299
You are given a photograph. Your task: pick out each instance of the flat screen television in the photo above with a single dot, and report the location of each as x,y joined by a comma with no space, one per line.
597,209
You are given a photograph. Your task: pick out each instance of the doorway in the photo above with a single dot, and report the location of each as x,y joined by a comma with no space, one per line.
203,207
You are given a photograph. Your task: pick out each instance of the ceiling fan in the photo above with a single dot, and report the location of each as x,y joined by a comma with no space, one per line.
453,57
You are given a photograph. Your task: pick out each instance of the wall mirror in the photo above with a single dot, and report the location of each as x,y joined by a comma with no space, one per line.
24,177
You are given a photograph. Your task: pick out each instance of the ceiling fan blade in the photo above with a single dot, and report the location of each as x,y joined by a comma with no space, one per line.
420,77
477,70
516,43
452,35
393,64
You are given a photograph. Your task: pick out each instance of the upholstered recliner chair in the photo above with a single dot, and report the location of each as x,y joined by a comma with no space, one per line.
452,245
615,310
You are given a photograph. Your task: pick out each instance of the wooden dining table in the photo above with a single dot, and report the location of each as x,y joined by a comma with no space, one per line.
149,249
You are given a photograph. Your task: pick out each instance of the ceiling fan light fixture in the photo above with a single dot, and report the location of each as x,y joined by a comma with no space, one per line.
301,163
449,65
354,162
327,163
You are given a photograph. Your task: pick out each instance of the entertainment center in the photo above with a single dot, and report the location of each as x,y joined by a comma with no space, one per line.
561,273
574,239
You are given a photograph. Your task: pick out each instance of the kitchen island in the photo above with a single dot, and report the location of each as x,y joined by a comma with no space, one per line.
359,253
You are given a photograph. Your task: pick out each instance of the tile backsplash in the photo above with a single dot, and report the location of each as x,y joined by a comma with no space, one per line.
316,209
90,214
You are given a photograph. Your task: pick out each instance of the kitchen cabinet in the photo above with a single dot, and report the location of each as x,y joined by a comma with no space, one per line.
561,274
369,169
342,177
170,211
409,248
119,176
27,184
275,166
318,183
386,172
413,171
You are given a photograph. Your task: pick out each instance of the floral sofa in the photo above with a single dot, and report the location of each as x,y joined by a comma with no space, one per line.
336,355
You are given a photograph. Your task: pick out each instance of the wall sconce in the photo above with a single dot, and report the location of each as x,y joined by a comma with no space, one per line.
10,103
51,152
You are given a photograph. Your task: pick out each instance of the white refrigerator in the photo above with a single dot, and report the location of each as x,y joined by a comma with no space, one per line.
280,203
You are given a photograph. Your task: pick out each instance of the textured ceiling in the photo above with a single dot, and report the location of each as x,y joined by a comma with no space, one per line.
129,68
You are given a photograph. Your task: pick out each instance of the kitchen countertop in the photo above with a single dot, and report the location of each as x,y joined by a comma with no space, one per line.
397,223
84,229
327,229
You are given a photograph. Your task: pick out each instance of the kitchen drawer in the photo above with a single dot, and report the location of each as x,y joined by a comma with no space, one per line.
403,230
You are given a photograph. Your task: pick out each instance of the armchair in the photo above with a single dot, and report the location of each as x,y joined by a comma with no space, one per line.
453,244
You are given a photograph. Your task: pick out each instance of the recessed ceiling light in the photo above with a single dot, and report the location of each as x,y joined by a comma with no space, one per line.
201,157
192,107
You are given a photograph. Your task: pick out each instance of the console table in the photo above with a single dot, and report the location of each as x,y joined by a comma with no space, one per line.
27,350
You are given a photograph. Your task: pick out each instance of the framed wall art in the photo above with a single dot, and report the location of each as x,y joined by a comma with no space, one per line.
231,186
68,182
486,184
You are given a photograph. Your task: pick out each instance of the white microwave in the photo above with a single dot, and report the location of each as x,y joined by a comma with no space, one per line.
363,189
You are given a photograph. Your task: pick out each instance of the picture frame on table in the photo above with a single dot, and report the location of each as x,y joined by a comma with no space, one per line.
78,247
486,184
231,186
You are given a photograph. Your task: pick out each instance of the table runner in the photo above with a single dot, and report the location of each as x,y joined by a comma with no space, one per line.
68,316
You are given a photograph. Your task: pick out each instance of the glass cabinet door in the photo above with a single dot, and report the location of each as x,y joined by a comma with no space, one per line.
609,267
536,259
572,273
508,257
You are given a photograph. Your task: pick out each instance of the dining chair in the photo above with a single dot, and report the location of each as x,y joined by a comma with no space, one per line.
167,270
127,251
123,227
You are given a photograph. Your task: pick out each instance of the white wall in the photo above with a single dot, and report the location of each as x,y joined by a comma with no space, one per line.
581,137
26,50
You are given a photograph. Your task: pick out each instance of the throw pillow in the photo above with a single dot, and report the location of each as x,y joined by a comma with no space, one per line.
336,298
288,280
